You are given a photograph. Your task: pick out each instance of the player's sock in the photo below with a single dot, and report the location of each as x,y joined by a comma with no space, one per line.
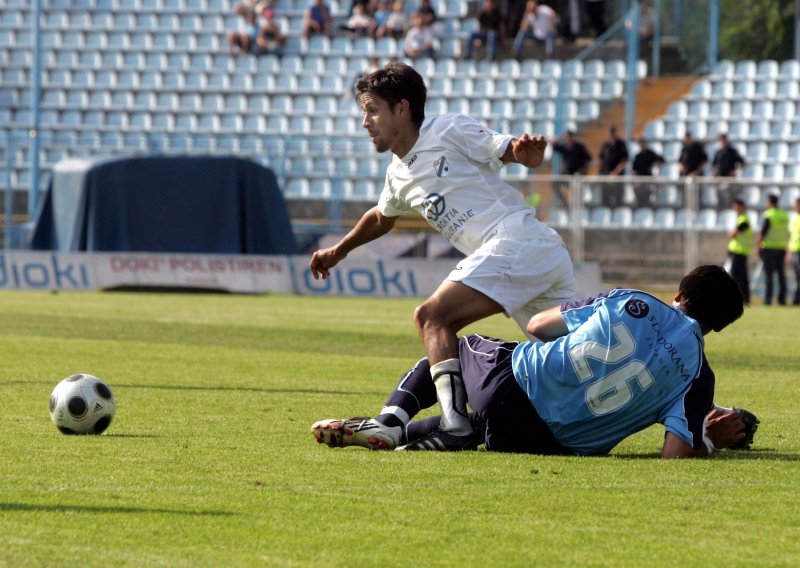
724,409
452,397
414,392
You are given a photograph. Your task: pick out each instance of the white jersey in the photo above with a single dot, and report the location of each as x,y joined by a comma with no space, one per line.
450,177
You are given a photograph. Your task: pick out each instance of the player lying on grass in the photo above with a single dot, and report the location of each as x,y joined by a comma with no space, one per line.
609,367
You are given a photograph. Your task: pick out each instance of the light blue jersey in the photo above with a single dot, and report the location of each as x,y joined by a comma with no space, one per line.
627,362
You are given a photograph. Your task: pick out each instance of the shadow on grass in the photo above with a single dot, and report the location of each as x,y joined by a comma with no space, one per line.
219,388
105,509
754,454
240,389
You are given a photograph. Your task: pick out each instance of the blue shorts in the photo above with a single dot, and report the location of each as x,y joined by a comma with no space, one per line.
501,415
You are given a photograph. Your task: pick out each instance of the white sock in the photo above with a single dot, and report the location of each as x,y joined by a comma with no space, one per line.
452,397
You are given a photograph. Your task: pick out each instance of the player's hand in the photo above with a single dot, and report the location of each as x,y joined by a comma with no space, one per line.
724,428
529,150
322,261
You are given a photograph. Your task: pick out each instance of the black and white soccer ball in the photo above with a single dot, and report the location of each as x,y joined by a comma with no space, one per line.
82,404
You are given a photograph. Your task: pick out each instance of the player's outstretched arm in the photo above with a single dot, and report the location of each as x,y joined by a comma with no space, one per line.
547,325
526,150
372,225
674,447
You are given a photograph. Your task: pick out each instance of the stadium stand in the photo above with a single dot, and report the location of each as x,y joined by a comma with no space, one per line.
138,76
153,76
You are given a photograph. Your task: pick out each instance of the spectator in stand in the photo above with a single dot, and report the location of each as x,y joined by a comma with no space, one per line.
396,22
596,10
427,12
643,164
693,157
575,160
380,14
538,23
490,31
420,41
271,38
317,19
244,40
569,18
613,159
360,23
727,160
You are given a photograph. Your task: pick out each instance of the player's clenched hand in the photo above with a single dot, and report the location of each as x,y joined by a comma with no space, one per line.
529,150
724,428
322,261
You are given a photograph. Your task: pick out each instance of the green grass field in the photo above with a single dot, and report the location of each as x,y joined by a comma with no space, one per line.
209,461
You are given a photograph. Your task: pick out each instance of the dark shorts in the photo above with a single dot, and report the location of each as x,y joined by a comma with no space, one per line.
501,414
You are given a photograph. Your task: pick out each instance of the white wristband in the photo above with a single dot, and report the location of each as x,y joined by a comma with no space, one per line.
709,444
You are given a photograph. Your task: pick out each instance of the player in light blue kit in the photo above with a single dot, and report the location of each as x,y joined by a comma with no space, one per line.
609,367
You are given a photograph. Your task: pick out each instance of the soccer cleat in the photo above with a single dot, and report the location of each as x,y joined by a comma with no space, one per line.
364,432
441,441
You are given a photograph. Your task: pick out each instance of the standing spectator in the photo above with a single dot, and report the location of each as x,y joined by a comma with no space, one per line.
569,18
693,157
244,40
740,244
396,22
575,160
727,159
538,23
596,10
489,32
643,164
420,41
613,159
317,19
794,249
772,242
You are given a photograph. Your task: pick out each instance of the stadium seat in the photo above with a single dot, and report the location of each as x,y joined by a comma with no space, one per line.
745,69
767,69
643,218
664,218
621,217
600,217
726,220
707,219
790,69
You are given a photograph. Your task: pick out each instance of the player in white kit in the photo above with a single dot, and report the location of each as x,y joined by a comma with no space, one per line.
446,169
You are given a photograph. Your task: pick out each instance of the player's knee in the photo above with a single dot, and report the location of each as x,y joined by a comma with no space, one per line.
426,315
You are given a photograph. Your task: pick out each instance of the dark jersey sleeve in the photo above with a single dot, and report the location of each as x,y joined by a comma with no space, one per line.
699,401
584,302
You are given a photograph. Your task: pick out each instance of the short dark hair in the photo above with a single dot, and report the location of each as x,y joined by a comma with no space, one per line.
739,201
394,82
711,296
773,199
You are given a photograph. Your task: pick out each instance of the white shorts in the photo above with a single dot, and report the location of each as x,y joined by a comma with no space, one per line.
524,276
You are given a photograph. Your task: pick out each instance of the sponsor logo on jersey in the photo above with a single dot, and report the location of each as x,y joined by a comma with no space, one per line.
637,308
442,167
434,206
411,161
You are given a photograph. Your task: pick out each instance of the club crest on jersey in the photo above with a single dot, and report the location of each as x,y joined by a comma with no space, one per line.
434,206
637,308
442,167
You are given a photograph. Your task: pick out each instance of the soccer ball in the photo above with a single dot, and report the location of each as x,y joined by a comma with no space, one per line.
82,404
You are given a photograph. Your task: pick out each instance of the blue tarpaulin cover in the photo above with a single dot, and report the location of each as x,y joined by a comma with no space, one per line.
192,204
